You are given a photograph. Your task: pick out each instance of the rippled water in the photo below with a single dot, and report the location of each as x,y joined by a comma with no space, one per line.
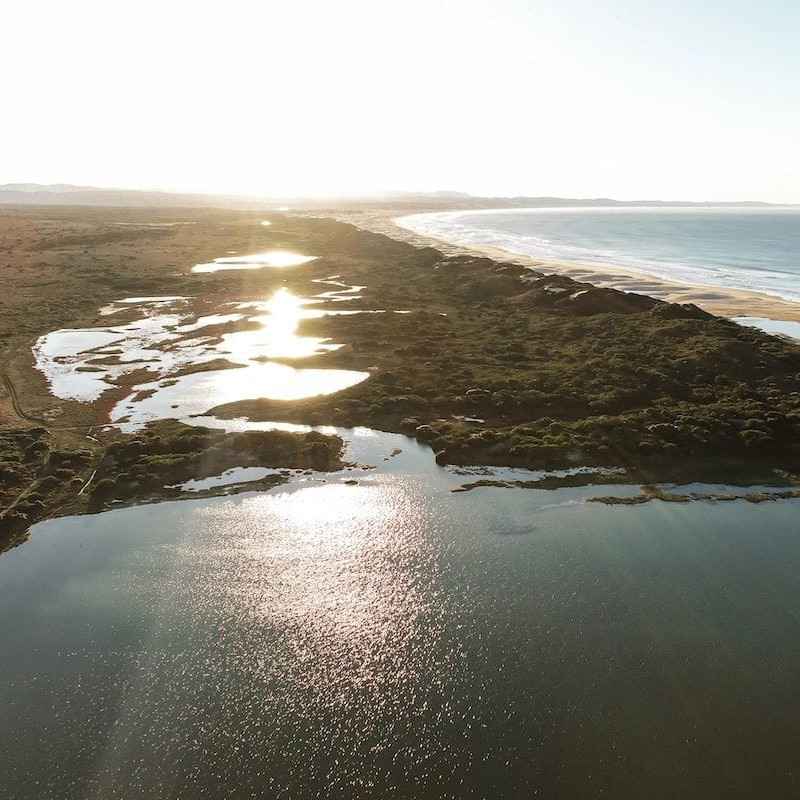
393,639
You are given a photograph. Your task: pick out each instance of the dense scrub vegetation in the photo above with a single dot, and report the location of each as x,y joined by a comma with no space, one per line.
153,465
559,372
34,478
36,481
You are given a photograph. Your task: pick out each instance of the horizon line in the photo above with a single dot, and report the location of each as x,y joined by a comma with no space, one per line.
57,188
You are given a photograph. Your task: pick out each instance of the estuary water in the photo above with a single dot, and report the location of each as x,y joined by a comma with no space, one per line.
757,249
386,637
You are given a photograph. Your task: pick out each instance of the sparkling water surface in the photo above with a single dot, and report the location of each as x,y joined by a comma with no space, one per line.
394,639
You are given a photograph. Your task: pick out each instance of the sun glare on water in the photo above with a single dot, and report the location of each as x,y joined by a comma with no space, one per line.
277,337
285,310
272,258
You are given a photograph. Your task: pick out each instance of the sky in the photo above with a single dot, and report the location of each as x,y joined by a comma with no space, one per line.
631,99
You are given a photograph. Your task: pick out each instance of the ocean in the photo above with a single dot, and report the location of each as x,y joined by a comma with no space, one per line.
756,249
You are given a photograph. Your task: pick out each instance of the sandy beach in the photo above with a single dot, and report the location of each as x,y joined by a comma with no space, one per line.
717,300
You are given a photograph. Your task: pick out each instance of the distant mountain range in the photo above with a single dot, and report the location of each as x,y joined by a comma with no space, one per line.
62,194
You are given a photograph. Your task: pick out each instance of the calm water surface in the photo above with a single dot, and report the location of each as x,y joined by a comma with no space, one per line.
393,639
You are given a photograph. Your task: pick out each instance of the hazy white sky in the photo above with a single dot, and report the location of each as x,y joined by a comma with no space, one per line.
679,99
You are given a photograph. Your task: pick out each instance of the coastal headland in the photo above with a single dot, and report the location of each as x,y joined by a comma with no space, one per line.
490,362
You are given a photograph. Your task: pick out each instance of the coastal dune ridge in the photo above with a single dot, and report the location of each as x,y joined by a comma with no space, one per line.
725,301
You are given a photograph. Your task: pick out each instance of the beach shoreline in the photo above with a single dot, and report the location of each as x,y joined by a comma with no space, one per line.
721,301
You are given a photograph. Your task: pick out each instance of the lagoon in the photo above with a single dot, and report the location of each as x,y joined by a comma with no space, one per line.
388,637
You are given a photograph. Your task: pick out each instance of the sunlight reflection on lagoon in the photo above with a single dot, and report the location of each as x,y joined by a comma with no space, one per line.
277,337
271,258
346,577
198,392
238,424
230,477
382,640
81,364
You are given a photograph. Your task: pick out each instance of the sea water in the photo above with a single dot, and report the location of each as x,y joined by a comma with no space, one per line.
756,249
